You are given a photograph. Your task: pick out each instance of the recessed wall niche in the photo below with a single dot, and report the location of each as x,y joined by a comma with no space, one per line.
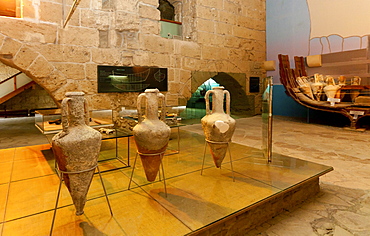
254,84
171,13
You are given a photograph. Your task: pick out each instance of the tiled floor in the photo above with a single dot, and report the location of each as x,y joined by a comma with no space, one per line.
342,208
28,190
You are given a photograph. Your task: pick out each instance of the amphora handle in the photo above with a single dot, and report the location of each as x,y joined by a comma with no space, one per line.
160,96
208,93
86,111
138,107
65,113
226,92
163,106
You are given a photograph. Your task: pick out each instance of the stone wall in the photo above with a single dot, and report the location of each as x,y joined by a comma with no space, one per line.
6,71
31,99
218,36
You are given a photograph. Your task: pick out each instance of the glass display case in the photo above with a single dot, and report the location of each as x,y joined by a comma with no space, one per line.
50,121
172,114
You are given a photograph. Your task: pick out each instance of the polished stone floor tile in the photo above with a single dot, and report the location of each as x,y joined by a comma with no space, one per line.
110,164
189,159
140,214
7,155
3,200
30,152
283,172
34,195
134,213
5,172
193,200
32,167
34,225
114,182
198,200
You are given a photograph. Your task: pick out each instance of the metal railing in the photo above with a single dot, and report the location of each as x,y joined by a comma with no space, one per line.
12,86
11,77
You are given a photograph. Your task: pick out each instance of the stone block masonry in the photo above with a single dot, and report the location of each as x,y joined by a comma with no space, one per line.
218,36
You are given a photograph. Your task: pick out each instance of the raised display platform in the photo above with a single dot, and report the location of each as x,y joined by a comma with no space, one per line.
196,204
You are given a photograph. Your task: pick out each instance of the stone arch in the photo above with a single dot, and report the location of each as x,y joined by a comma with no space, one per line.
20,56
235,83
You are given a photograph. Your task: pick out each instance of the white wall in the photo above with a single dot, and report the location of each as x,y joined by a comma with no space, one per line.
288,32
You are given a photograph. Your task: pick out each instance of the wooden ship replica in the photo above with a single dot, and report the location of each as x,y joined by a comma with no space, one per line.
343,91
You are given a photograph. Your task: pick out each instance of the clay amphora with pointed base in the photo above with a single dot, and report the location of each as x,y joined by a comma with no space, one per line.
304,86
331,88
317,87
217,125
151,134
76,148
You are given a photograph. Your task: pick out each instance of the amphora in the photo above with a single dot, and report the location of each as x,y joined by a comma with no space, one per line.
317,86
151,134
76,148
331,88
217,125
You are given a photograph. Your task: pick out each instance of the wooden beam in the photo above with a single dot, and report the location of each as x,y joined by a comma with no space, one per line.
71,11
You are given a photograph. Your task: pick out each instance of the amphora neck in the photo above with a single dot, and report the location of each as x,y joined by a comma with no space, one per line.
152,106
151,111
75,109
218,100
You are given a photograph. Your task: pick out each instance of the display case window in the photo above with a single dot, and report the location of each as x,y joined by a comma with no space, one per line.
10,8
171,14
254,84
50,121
